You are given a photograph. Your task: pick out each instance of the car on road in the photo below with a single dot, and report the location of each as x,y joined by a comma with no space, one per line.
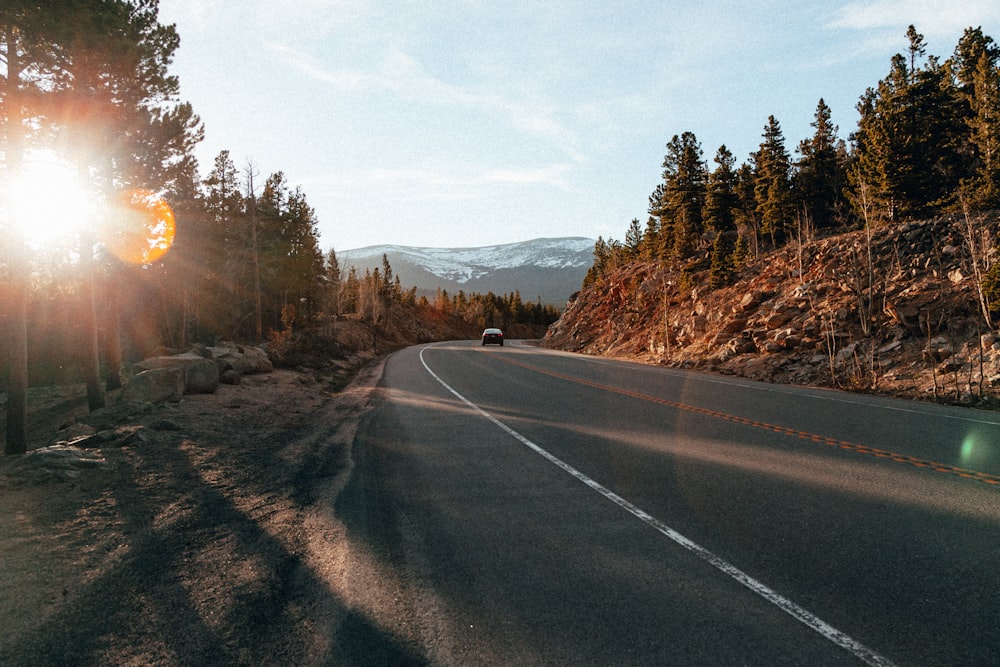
493,337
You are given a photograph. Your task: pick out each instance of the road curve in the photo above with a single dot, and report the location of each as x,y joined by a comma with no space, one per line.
520,506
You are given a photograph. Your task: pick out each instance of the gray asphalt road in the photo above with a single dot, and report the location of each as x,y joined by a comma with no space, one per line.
525,507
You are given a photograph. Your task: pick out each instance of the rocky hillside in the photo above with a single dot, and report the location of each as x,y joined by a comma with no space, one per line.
813,314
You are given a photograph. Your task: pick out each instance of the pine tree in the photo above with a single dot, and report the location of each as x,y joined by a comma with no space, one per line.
747,219
659,214
597,270
722,269
772,187
911,145
227,266
975,67
633,240
651,248
334,282
684,181
720,197
821,171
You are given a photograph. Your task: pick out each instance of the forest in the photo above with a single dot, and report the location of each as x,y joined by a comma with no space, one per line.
165,257
162,257
927,143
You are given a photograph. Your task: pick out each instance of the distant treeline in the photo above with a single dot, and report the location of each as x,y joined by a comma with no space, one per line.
927,143
370,296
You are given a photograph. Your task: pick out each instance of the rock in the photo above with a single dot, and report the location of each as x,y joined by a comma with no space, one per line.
55,463
164,425
155,386
230,377
110,417
889,347
201,377
790,342
775,320
77,430
243,360
750,301
735,325
846,353
951,365
741,345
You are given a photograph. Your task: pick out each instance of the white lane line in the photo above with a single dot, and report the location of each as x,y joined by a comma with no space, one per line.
804,616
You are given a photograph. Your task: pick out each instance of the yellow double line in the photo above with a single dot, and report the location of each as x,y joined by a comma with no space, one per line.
985,478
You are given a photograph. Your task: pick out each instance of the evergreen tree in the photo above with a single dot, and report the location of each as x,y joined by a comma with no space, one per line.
334,282
662,246
684,180
290,260
722,268
720,196
633,240
227,268
975,67
821,171
597,270
911,145
27,48
651,248
302,274
772,188
352,289
747,219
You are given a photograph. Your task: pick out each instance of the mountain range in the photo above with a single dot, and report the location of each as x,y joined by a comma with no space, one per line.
547,270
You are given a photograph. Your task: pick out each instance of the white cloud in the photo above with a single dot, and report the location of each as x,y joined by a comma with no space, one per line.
931,17
402,75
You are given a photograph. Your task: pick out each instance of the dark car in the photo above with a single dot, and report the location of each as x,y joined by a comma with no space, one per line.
493,337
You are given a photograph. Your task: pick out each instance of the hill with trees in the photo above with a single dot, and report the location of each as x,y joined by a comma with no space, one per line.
868,263
87,85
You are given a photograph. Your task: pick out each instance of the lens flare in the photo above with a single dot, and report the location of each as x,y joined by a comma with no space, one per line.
142,229
48,202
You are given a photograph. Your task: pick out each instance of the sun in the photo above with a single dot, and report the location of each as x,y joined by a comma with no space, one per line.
48,202
52,207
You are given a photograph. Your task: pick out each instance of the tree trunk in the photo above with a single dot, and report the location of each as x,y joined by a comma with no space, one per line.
114,347
17,384
91,357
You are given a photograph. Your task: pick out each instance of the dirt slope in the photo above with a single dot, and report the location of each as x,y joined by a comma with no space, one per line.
809,314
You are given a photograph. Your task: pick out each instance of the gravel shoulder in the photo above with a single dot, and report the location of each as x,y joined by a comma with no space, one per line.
208,537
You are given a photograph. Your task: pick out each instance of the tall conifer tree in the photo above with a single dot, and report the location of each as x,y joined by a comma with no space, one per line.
821,171
684,180
772,188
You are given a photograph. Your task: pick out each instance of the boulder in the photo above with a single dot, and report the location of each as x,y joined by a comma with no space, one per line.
230,377
201,375
242,359
58,463
155,386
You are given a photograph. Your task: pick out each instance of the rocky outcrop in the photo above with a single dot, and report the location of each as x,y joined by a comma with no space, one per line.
167,377
908,323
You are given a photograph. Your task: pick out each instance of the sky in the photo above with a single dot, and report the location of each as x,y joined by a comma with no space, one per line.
467,123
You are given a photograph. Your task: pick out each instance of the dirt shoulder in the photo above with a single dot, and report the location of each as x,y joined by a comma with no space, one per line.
206,536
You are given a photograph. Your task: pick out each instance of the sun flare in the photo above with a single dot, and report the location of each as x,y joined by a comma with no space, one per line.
142,229
49,203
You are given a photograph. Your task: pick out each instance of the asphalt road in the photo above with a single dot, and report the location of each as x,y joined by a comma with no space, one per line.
517,506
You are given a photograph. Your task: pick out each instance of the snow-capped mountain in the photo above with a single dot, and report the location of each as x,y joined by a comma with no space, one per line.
546,269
